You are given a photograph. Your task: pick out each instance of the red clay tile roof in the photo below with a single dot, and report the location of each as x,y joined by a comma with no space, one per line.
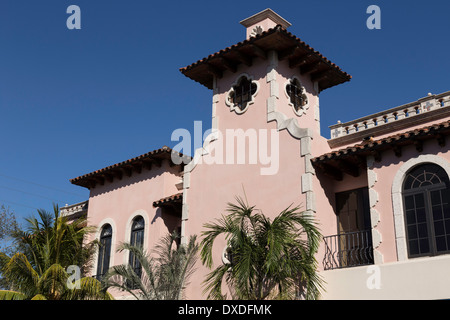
176,198
128,166
286,44
400,139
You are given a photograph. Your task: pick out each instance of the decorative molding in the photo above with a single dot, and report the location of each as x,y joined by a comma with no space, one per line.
376,240
307,184
283,121
371,178
397,197
225,259
197,155
232,106
374,217
256,31
309,168
291,125
302,109
73,209
374,214
263,15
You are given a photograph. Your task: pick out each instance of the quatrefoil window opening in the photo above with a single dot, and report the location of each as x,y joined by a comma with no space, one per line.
242,93
297,96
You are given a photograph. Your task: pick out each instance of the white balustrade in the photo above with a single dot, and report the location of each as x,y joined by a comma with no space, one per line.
414,109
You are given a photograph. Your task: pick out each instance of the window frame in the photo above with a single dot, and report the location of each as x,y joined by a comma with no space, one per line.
302,109
428,205
233,106
136,232
104,251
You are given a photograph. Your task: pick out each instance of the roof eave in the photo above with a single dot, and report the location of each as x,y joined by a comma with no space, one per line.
299,54
128,167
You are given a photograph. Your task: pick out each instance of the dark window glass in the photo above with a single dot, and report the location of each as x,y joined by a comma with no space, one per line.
425,175
296,94
242,93
104,253
427,216
137,239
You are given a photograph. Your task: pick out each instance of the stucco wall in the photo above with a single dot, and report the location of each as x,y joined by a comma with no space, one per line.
117,203
211,186
416,279
386,171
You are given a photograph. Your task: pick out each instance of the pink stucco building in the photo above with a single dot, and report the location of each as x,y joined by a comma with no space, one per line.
379,188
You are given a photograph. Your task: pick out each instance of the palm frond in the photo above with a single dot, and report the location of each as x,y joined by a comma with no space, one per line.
88,288
269,258
53,282
11,295
48,245
21,275
164,272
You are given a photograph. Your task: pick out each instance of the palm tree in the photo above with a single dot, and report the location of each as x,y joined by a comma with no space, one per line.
53,239
266,259
54,283
47,247
164,273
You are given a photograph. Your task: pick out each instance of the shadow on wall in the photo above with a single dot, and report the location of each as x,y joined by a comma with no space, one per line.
171,216
135,177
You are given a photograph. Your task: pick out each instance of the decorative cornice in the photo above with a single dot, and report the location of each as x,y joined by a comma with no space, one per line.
265,14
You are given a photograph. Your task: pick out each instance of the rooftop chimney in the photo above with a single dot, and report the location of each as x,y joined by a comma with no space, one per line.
263,21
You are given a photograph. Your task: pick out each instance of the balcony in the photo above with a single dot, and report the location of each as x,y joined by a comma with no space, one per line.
347,250
424,110
74,211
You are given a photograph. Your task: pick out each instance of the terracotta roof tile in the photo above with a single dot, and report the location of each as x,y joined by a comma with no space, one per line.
176,198
405,138
155,155
282,40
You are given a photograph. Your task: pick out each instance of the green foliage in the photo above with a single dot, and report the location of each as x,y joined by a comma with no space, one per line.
51,285
164,273
8,225
269,259
54,240
47,247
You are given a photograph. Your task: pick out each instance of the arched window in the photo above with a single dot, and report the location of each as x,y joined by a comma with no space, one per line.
242,93
104,252
136,239
426,199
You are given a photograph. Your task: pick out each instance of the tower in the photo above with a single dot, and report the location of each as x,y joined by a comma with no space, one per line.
265,122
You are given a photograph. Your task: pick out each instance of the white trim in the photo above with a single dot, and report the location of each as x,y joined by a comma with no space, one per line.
224,255
283,121
303,109
197,154
374,215
397,198
235,83
113,243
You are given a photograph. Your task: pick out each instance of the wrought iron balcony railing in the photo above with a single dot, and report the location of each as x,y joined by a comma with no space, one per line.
348,250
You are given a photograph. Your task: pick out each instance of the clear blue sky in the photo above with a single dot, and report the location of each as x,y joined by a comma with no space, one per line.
74,101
